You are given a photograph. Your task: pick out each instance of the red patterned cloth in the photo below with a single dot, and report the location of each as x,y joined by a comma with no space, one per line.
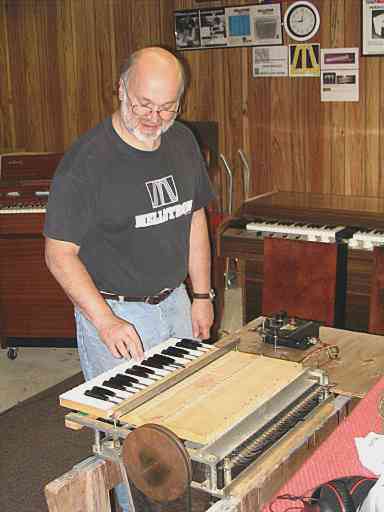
337,455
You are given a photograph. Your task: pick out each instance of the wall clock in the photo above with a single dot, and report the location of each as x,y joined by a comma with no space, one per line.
301,20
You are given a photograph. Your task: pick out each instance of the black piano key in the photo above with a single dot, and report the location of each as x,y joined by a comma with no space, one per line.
104,391
125,383
147,369
131,380
100,396
161,358
111,384
193,345
156,364
178,352
139,372
126,378
114,385
168,361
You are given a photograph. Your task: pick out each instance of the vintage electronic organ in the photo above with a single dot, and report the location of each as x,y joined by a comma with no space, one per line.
28,166
34,309
357,223
229,409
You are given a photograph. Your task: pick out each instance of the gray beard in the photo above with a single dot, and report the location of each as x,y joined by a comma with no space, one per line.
135,131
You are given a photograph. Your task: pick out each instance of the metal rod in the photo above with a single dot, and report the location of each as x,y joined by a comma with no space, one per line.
246,174
230,187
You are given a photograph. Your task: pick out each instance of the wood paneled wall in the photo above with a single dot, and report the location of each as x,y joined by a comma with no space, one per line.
60,61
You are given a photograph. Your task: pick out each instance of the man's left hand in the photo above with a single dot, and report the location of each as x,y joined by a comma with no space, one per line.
202,318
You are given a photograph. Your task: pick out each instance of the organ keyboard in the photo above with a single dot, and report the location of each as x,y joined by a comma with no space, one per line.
116,391
366,239
356,222
24,197
297,230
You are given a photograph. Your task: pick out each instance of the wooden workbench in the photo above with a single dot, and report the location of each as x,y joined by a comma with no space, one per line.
353,373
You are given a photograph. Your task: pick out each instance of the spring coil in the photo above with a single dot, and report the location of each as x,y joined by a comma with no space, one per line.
274,432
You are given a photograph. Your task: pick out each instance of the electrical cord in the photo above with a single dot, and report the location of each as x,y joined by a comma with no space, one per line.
307,504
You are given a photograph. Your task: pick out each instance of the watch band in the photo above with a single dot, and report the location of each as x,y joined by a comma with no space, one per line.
210,295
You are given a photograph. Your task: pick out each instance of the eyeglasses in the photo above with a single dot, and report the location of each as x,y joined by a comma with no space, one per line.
165,115
144,111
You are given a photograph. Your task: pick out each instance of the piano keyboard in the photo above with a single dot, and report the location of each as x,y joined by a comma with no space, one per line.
298,230
366,239
17,202
38,207
104,393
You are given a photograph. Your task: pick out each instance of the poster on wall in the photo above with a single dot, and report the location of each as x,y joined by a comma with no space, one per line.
269,61
213,27
372,27
249,25
187,29
304,60
340,74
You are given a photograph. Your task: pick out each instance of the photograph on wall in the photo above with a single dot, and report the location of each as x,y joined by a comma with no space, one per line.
339,74
372,27
269,61
304,60
254,25
187,29
218,27
213,30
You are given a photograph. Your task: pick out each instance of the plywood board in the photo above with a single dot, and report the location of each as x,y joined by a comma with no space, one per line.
358,367
217,397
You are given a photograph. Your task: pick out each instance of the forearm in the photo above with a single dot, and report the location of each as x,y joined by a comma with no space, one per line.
67,268
200,254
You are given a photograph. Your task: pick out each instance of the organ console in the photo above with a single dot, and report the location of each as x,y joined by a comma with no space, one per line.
356,222
34,310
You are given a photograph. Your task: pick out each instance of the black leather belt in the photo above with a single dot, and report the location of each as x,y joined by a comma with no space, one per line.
150,299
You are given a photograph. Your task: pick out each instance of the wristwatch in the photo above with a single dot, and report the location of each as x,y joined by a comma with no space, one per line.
210,295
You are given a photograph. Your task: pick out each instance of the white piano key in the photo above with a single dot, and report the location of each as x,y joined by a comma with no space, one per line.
12,210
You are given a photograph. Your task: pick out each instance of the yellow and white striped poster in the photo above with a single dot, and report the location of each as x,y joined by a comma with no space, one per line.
304,60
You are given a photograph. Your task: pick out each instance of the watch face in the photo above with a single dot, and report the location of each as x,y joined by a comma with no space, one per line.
302,20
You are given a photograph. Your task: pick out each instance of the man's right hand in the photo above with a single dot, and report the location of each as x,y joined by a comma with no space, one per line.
122,339
119,336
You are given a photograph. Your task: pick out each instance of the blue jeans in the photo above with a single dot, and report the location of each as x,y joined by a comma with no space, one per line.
154,324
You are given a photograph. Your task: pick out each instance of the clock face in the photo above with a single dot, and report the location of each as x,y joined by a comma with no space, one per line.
301,20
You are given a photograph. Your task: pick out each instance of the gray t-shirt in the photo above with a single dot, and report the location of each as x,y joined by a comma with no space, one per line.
129,210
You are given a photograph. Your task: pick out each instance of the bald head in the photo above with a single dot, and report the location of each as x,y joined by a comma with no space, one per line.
157,64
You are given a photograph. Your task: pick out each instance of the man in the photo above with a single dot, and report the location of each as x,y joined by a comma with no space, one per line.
125,222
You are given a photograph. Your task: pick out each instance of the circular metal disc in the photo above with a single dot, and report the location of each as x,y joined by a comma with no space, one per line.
157,462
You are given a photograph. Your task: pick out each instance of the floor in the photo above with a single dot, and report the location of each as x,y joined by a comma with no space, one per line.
37,369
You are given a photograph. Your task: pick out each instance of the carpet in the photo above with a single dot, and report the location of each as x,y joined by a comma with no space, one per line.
34,370
36,447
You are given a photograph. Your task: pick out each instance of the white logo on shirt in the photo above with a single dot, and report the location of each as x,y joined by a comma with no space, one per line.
162,191
164,215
